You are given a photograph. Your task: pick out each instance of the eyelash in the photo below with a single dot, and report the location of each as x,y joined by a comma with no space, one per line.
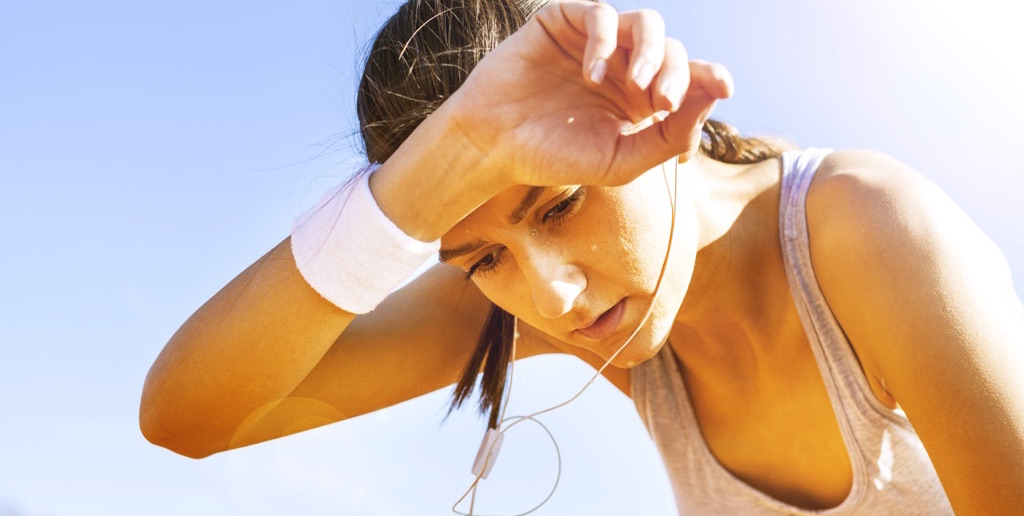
558,214
480,269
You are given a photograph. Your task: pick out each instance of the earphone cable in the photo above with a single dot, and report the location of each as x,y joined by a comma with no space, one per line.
673,192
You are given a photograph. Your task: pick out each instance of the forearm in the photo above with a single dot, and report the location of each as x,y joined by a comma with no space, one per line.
250,345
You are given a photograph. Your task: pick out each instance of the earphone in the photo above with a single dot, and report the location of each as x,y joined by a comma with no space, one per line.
487,454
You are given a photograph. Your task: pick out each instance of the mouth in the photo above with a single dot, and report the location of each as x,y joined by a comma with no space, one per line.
605,324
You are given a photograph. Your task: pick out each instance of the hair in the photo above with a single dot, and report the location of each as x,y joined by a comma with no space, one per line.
420,56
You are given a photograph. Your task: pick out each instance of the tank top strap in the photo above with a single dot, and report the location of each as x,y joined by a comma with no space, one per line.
853,402
891,470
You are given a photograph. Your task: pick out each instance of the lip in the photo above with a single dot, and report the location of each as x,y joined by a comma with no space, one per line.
605,324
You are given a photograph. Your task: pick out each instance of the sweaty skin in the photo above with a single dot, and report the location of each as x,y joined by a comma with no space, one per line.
924,297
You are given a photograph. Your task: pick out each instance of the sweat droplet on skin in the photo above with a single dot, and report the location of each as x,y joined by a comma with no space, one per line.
593,248
570,120
533,232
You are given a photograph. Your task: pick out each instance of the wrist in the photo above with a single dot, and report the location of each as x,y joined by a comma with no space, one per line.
350,252
435,179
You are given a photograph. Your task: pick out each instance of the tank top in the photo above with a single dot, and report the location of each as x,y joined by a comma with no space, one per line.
891,470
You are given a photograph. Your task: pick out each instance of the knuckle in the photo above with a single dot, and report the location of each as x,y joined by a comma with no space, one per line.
603,9
674,47
601,15
603,42
651,19
547,10
675,52
601,19
714,71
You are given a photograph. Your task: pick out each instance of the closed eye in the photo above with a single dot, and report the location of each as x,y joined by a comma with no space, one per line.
556,215
487,264
567,207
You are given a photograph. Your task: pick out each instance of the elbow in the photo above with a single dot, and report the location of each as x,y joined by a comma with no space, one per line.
162,426
165,437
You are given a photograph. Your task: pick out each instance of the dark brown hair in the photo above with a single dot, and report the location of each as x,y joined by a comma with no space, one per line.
421,55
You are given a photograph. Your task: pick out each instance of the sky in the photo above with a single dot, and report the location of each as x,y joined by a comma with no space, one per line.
149,151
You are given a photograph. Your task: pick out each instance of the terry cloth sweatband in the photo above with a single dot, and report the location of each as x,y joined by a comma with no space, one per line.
350,252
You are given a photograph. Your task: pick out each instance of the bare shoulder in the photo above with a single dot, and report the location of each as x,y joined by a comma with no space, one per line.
929,306
870,213
868,208
882,236
851,177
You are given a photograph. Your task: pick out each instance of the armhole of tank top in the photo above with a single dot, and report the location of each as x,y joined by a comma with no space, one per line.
860,384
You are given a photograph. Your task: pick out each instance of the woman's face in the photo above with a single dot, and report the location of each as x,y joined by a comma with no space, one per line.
581,262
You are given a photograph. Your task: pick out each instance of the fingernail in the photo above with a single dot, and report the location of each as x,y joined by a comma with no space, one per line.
598,70
643,75
674,93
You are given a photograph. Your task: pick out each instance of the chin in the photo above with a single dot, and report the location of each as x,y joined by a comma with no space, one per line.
651,337
648,341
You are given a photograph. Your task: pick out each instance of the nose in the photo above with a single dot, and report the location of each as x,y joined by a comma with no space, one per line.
554,282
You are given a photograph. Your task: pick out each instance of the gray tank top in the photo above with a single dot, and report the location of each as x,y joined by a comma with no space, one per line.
891,470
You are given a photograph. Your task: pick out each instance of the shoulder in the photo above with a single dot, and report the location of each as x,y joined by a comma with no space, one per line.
859,190
870,211
900,264
929,306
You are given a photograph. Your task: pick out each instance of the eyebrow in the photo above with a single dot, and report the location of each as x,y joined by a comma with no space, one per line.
524,206
517,216
447,255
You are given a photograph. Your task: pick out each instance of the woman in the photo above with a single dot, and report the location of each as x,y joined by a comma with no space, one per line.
794,313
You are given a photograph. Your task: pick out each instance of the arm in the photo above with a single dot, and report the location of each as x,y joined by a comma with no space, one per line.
239,358
417,341
929,306
267,356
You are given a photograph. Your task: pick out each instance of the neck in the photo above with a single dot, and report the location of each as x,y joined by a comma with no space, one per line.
736,297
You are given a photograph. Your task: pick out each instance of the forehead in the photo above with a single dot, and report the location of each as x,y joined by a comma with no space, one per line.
508,208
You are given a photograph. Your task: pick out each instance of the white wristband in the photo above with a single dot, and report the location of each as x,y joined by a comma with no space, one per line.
350,252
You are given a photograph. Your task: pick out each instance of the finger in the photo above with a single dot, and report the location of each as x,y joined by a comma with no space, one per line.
714,78
645,29
709,82
679,134
673,79
601,24
585,30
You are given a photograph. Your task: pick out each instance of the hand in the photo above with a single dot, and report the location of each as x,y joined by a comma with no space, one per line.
551,103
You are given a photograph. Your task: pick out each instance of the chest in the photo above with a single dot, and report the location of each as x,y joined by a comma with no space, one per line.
775,430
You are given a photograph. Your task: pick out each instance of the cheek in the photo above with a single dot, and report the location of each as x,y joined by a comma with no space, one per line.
508,291
678,273
639,231
647,235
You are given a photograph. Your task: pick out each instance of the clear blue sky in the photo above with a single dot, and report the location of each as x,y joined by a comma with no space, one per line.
150,151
